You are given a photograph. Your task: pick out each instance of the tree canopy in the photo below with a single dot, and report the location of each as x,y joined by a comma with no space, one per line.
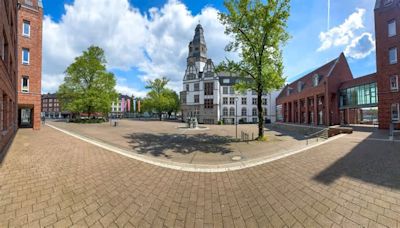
88,87
160,99
259,31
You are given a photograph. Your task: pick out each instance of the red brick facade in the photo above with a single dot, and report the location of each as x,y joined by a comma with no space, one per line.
313,99
8,71
384,14
29,97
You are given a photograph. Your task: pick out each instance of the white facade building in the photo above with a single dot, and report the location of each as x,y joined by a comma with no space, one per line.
211,97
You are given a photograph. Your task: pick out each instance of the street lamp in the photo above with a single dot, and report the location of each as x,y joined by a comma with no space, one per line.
236,116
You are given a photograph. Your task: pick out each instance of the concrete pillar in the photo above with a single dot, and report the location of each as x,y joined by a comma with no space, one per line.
315,110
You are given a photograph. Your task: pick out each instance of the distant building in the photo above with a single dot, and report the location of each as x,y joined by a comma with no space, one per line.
8,71
30,20
51,107
121,106
211,97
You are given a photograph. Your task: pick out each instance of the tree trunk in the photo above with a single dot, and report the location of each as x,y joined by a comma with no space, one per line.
260,115
160,116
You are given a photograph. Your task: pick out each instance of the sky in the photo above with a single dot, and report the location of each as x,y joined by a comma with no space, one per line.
146,39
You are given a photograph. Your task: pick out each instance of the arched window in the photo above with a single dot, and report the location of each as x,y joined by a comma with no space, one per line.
232,111
225,111
244,112
254,112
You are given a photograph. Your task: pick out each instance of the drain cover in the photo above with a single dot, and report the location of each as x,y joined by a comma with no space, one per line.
236,158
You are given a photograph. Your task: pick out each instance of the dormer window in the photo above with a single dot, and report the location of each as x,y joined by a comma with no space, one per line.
289,91
387,2
300,86
316,80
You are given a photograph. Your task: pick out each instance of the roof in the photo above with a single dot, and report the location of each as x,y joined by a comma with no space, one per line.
367,79
307,80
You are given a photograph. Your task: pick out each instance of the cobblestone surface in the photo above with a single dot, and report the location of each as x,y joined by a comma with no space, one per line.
50,179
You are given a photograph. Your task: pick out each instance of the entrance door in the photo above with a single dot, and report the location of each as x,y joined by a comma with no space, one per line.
26,120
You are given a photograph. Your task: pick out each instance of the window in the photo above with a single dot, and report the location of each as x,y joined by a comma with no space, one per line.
26,29
394,83
25,56
254,101
387,2
254,112
208,103
395,112
4,48
25,84
225,111
392,28
224,100
316,80
264,101
196,87
231,100
208,88
232,90
187,87
299,86
232,111
183,99
244,100
265,111
225,90
393,55
255,120
196,98
226,80
244,112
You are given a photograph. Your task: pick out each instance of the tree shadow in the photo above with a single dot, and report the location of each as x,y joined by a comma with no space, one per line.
371,160
158,144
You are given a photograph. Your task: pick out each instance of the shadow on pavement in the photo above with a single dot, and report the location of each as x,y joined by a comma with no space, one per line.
159,144
373,161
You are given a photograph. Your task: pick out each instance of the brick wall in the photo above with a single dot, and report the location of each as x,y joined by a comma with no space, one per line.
384,14
32,99
8,71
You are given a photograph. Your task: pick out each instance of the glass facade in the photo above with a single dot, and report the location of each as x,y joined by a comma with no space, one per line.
358,96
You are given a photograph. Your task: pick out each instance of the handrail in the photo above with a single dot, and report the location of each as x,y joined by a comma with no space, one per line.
315,135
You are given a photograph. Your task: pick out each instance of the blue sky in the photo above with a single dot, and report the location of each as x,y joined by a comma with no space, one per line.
145,39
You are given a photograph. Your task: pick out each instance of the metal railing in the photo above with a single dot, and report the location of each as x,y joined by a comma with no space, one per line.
319,134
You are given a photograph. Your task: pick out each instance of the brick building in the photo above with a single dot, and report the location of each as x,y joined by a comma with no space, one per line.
30,17
8,71
387,27
330,95
51,107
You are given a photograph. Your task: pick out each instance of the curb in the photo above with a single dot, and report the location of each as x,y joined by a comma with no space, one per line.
193,167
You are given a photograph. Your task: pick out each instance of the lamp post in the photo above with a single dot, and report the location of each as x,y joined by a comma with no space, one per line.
236,117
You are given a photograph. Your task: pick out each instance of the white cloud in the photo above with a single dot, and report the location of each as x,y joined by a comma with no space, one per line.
154,43
344,33
361,46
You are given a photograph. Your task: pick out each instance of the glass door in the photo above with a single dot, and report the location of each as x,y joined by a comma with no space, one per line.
25,116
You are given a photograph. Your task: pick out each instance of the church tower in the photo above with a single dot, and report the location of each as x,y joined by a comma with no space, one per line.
198,49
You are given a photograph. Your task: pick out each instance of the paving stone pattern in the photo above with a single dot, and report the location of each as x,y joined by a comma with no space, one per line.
49,179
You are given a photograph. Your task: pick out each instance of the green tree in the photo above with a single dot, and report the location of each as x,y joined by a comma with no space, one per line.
259,31
88,87
160,99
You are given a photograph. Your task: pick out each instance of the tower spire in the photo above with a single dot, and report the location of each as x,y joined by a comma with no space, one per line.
198,47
